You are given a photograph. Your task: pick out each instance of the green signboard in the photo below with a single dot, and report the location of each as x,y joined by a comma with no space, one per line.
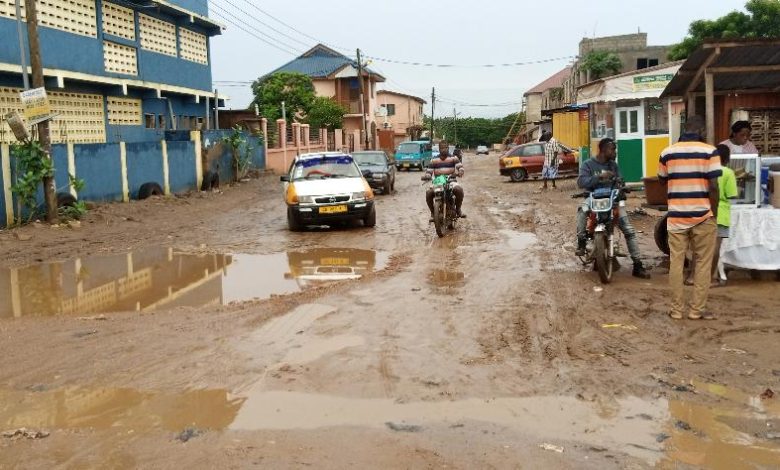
652,82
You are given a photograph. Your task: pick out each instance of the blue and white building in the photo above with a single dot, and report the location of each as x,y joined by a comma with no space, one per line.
116,71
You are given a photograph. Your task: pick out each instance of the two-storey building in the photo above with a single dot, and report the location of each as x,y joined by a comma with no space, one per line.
114,70
335,76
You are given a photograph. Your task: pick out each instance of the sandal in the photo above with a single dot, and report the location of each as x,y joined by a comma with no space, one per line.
675,316
703,316
688,282
719,283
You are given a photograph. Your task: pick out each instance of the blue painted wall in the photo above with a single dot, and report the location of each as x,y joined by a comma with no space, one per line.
84,54
200,7
181,164
219,156
144,165
58,51
59,153
99,165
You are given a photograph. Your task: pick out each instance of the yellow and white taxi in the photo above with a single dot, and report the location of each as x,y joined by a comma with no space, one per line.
327,188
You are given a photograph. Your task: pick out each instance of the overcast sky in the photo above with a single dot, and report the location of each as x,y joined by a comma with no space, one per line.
443,32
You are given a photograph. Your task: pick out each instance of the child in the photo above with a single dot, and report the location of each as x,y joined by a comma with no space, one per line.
727,187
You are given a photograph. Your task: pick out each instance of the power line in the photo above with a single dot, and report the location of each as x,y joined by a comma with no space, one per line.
376,58
480,105
277,44
244,12
293,28
227,20
509,64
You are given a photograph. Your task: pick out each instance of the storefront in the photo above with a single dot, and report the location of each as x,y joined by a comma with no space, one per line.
627,108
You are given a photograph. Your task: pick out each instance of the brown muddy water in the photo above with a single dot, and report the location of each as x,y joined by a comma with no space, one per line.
163,278
731,434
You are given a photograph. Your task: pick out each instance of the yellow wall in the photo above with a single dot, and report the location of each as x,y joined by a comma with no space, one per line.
569,130
653,148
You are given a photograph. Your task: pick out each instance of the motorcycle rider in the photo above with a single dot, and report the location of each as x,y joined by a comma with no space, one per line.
446,165
598,172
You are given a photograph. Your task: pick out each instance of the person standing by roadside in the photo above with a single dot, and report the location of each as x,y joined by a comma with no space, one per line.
691,168
727,190
551,150
739,141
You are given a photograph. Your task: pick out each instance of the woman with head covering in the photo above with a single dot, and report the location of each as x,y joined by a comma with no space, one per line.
739,141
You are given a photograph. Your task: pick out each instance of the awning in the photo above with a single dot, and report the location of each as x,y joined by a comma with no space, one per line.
744,65
638,84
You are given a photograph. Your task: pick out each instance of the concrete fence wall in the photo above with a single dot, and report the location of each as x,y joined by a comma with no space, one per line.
281,153
115,172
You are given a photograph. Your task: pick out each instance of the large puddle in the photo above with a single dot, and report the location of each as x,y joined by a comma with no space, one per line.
163,278
727,435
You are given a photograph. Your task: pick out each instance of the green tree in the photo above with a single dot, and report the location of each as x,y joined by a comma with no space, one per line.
295,89
325,112
602,64
473,131
762,20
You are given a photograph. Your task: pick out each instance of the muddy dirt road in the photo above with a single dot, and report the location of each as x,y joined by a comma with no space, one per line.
198,332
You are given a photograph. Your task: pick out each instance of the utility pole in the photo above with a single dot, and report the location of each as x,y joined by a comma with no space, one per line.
284,112
22,49
455,122
49,190
362,101
216,108
433,109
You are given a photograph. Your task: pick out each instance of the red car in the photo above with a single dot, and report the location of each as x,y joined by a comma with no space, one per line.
526,160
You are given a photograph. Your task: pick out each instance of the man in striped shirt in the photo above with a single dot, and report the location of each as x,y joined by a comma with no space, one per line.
691,169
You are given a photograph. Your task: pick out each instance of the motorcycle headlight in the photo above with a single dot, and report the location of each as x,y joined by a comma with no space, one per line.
600,205
306,199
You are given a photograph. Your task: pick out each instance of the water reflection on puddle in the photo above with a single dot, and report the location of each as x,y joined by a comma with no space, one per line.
661,432
164,278
106,408
519,240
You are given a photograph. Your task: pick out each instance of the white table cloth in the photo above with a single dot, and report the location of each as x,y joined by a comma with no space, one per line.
754,239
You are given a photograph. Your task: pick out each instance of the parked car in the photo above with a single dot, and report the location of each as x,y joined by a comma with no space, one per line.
413,154
526,160
382,170
482,150
326,188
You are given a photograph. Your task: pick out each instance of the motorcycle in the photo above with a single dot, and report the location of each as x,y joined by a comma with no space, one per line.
602,245
444,212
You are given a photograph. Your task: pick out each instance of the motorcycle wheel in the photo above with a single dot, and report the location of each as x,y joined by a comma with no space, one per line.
438,217
603,263
451,216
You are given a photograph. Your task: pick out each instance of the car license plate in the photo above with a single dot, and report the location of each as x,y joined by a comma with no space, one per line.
334,261
406,165
333,209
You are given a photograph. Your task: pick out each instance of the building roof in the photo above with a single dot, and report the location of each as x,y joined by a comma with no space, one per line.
416,98
322,62
737,65
555,81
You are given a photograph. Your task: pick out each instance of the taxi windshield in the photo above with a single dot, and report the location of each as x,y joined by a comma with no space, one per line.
337,166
